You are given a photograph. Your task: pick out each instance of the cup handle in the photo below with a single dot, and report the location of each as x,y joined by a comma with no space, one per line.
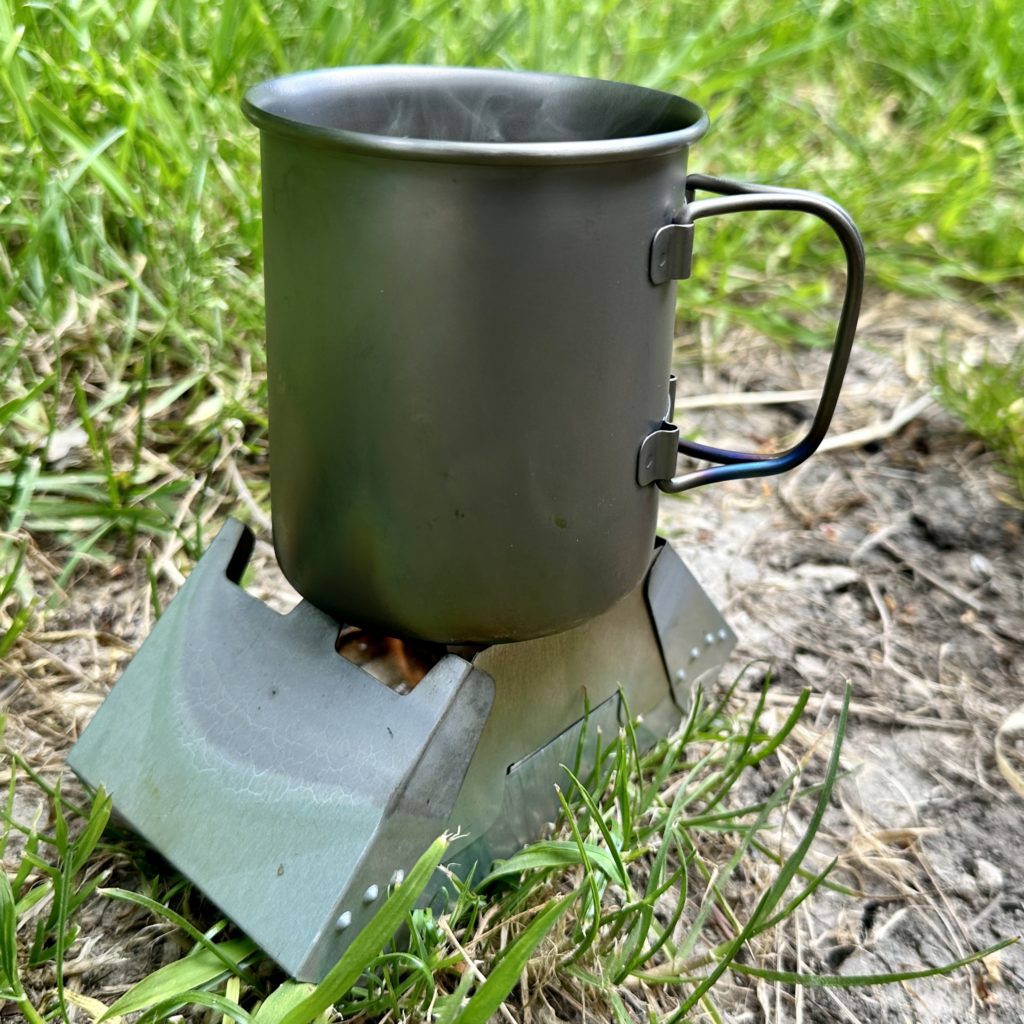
671,253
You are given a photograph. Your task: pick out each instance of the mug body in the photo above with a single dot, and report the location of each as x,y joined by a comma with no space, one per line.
465,347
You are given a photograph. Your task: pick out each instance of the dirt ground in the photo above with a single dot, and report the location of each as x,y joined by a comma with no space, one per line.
894,566
893,563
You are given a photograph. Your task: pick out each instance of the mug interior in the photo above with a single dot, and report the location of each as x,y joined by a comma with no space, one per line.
471,106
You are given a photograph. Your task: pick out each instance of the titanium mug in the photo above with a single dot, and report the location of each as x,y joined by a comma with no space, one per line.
470,300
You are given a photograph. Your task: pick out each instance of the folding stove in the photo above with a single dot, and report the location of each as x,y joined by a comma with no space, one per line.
468,444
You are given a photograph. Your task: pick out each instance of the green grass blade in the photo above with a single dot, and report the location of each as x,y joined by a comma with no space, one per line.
18,623
83,846
371,940
725,955
741,759
281,1001
808,890
503,978
226,1007
8,933
837,887
9,952
588,873
224,952
452,1005
863,980
11,408
621,876
699,921
93,157
173,981
23,485
771,745
553,855
774,894
619,1012
796,858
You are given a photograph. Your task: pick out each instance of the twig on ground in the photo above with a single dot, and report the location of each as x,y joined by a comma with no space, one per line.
163,564
74,671
471,965
878,431
872,540
241,488
1006,751
107,639
734,398
872,713
950,588
959,938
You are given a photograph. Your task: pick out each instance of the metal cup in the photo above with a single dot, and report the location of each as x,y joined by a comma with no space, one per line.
470,309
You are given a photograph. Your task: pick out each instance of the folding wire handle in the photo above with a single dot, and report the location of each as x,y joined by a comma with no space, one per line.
671,255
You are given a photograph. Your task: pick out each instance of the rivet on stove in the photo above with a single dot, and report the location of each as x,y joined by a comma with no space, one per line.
723,634
681,674
343,921
371,894
709,638
398,877
694,653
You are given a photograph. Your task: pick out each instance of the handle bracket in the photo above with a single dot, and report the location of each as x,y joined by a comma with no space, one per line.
658,453
672,253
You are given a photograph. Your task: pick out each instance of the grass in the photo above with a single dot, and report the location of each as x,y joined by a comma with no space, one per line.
130,255
132,409
988,396
645,895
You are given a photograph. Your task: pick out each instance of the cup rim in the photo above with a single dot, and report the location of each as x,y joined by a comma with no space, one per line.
270,106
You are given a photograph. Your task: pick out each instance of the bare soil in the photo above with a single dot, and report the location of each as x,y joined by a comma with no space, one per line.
897,566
